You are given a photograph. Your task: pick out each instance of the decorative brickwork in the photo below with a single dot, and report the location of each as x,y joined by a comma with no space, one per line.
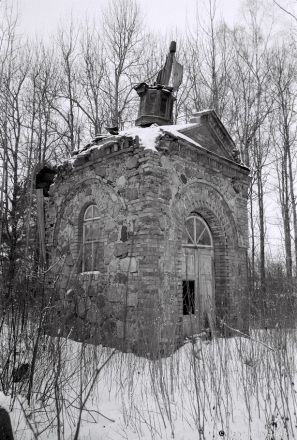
134,301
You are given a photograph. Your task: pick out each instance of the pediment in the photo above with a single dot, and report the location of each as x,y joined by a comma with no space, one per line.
207,130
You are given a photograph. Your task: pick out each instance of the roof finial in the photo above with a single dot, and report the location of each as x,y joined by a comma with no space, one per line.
171,66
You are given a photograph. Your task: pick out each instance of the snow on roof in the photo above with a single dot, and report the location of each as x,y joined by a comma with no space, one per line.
149,136
203,112
176,130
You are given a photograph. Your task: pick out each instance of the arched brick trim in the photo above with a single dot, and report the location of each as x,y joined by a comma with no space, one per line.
205,196
208,202
74,191
96,189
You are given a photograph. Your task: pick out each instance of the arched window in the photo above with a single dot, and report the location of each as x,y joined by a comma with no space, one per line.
91,235
196,232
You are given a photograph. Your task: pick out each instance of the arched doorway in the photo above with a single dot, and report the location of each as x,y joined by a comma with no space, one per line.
198,276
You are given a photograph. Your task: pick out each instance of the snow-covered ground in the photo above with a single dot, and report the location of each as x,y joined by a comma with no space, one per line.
231,389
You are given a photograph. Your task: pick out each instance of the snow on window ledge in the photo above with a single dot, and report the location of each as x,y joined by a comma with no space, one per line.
92,272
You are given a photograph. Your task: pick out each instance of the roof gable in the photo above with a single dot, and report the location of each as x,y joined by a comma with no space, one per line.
207,130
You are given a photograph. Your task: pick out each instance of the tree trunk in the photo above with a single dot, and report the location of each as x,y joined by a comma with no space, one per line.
293,202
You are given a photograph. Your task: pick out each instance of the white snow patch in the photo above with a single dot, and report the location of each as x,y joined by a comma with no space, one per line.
175,131
207,388
149,136
92,272
202,112
4,401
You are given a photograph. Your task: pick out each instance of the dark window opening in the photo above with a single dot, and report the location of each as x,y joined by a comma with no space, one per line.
163,105
152,103
188,297
141,105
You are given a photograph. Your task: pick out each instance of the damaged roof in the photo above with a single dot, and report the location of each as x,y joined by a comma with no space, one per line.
205,131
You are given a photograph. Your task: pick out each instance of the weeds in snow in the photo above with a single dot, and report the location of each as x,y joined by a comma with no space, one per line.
242,387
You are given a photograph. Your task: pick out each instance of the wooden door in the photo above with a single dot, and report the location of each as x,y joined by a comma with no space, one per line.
206,289
190,283
198,290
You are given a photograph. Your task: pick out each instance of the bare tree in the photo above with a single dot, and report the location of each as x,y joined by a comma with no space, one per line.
124,44
67,42
90,77
7,43
250,105
209,57
283,73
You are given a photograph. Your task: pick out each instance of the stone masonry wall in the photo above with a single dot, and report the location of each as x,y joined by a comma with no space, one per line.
217,190
119,304
134,301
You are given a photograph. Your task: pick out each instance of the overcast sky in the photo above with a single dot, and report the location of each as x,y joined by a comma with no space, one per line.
42,16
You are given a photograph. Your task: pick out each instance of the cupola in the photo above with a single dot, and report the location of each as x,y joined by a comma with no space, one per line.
156,101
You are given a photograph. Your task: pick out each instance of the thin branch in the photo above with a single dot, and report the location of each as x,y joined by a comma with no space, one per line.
283,9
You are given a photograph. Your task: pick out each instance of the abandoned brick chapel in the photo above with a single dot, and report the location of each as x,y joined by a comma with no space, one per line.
145,231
